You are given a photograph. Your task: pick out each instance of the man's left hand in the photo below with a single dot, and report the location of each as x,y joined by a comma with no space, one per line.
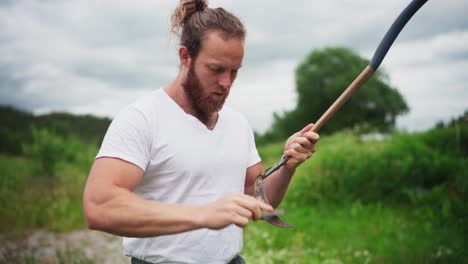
300,146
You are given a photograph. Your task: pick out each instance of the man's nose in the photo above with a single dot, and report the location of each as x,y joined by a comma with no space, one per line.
225,80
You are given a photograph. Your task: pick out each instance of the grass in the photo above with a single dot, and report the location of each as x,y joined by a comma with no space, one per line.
29,201
339,202
403,219
353,234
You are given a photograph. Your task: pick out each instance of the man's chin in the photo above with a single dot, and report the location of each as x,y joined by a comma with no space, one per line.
214,106
213,109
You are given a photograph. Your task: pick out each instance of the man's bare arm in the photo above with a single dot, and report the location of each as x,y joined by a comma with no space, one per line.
111,206
276,184
299,147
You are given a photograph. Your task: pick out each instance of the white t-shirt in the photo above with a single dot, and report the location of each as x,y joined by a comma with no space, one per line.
183,163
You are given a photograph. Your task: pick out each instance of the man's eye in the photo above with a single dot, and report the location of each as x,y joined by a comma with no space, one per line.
216,69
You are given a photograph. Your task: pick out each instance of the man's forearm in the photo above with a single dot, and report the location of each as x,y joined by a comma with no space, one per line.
277,184
124,213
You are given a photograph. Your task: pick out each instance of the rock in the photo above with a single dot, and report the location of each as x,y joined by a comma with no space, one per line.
72,247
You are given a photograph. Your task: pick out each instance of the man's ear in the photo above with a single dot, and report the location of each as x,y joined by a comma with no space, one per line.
184,56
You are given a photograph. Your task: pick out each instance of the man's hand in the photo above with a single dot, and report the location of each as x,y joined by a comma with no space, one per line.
300,146
236,208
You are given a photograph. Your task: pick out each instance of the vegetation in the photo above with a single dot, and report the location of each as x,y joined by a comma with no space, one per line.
320,80
44,189
18,128
400,199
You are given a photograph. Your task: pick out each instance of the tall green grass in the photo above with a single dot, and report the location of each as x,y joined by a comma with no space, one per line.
346,168
356,233
29,201
402,199
44,189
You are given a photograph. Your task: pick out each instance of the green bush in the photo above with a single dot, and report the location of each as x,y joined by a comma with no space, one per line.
32,198
52,151
351,169
47,148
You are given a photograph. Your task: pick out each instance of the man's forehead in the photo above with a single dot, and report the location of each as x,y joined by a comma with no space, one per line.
216,46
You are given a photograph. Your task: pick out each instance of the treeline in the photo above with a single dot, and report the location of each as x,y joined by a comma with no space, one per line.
17,128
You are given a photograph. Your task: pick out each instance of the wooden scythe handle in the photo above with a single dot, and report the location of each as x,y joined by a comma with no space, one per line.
375,62
353,87
379,55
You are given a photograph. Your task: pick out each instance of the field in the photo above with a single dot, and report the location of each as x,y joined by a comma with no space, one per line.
400,199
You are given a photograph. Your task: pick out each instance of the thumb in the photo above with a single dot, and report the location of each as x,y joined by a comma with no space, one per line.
306,129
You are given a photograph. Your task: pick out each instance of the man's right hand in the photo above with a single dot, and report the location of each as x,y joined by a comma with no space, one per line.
235,208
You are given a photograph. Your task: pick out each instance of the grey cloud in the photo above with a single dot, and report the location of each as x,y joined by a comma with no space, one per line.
121,77
10,91
90,44
298,27
6,2
96,55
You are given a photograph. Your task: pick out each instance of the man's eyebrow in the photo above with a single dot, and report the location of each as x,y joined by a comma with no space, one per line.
214,64
219,65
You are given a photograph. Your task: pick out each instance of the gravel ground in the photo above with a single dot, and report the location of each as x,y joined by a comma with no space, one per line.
81,246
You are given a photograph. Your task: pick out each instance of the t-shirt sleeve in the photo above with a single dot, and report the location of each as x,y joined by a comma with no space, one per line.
253,156
127,138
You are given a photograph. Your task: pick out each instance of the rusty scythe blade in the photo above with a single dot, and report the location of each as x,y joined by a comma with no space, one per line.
259,193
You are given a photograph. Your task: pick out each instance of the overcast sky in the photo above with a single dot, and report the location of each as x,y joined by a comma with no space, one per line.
87,56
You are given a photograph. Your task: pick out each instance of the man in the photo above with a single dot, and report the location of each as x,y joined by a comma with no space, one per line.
175,173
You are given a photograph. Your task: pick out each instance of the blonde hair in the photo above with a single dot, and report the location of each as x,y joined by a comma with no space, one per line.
184,10
192,19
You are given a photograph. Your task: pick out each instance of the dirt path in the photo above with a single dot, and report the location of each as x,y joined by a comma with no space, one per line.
81,246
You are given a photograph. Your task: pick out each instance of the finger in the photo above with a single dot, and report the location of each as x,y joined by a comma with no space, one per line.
244,212
308,149
265,207
312,136
253,205
245,200
303,141
296,156
299,148
276,212
261,207
306,128
240,221
257,202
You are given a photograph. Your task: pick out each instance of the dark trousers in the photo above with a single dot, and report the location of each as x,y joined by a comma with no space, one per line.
236,260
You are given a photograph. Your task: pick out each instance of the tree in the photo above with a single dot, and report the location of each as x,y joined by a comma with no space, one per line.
321,78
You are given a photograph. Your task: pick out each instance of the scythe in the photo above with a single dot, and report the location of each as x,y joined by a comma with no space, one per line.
379,54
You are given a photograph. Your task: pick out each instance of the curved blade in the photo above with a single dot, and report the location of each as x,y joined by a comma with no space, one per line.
259,193
276,221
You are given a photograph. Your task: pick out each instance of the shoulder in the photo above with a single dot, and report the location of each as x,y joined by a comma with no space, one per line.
145,107
148,101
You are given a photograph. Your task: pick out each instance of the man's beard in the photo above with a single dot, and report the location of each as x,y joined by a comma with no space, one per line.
204,105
